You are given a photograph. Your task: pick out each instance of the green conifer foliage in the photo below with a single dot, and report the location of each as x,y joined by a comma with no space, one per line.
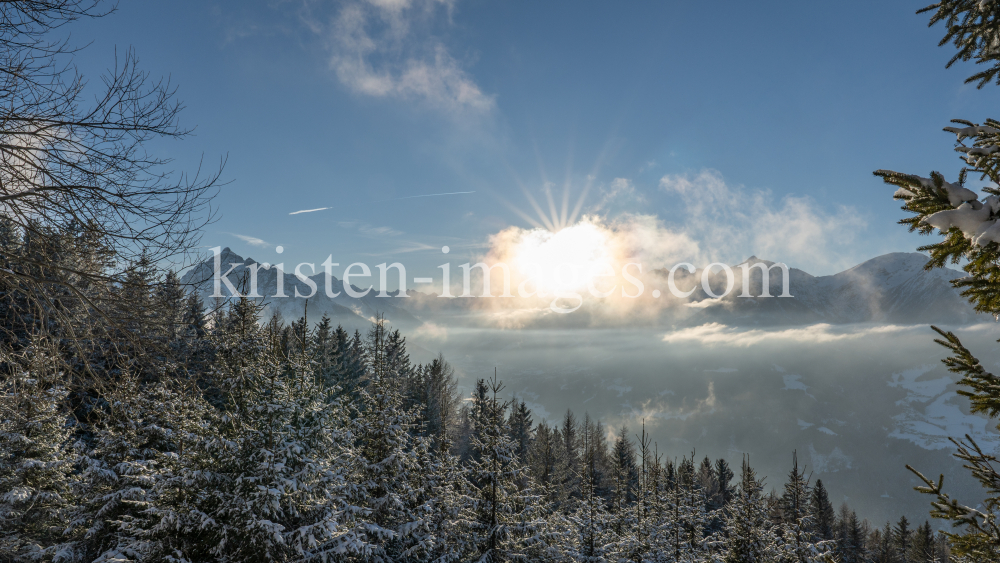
969,236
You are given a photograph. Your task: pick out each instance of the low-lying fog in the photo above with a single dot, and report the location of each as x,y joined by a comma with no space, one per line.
857,402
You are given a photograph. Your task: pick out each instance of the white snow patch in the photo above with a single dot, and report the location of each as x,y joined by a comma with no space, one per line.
803,424
921,391
793,383
930,414
826,430
831,462
974,131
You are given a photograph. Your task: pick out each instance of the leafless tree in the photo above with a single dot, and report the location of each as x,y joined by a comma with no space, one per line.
83,201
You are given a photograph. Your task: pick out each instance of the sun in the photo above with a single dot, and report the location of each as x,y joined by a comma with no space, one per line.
562,252
566,260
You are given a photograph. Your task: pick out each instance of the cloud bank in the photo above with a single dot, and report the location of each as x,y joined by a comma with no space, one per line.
717,334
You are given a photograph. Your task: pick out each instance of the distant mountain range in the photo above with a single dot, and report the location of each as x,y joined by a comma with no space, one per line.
893,288
344,310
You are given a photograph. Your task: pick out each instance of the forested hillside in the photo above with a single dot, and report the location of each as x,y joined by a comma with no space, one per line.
232,439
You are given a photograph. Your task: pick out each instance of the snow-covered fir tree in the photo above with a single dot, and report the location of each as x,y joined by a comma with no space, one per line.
390,461
590,521
504,519
37,478
797,528
274,483
750,538
137,442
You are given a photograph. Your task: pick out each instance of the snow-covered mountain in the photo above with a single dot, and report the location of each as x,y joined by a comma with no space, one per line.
344,310
893,288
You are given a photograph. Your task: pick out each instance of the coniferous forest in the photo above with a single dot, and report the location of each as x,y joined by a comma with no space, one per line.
139,423
229,439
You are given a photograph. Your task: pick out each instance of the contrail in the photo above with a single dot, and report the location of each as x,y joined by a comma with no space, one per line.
308,210
381,200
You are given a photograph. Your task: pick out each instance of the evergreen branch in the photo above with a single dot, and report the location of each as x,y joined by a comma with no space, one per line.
984,395
973,26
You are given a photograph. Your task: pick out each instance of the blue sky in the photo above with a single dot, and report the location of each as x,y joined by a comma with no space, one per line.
783,108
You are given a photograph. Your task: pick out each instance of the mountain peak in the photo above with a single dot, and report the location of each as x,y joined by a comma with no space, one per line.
754,260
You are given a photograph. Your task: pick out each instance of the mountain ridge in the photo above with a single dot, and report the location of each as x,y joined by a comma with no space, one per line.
892,288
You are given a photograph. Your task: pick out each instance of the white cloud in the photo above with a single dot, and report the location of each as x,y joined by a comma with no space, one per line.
652,410
620,191
714,334
378,231
369,230
731,223
384,49
252,241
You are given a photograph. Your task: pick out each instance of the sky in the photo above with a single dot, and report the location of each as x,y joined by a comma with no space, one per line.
733,128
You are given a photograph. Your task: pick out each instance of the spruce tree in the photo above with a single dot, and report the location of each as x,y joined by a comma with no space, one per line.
596,437
352,379
683,527
520,429
623,458
970,237
323,346
389,457
591,520
401,369
797,529
570,433
724,475
273,482
544,463
881,542
503,519
37,462
974,29
923,548
903,540
137,443
749,539
821,511
709,483
439,405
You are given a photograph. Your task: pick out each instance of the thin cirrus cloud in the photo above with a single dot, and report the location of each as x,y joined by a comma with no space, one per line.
369,230
252,241
384,49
